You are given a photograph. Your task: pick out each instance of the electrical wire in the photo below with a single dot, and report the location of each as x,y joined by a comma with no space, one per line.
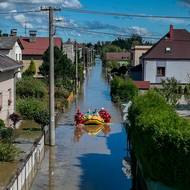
124,14
103,33
20,12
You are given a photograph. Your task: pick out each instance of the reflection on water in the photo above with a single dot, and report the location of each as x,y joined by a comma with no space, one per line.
97,156
92,130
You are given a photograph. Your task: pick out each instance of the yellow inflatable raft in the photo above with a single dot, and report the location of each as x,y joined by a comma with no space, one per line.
93,120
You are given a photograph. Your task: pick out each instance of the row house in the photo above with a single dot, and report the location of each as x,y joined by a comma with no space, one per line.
136,52
8,73
10,47
120,57
33,47
169,57
69,50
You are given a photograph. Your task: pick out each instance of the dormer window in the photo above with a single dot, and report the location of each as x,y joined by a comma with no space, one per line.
168,50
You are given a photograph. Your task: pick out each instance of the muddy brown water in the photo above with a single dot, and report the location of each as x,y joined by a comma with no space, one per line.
83,160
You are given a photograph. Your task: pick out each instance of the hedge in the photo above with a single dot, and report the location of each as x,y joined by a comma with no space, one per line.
33,109
122,90
31,69
8,152
160,140
30,87
2,124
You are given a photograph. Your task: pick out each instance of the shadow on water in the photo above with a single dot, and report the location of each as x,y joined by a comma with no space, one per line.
104,171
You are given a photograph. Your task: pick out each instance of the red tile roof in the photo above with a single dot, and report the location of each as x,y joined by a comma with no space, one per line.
142,85
178,40
38,47
118,56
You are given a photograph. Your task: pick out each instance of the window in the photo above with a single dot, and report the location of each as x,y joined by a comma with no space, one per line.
10,96
16,57
1,101
20,57
161,71
168,50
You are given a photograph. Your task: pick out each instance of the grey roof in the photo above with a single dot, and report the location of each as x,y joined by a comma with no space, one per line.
7,63
7,43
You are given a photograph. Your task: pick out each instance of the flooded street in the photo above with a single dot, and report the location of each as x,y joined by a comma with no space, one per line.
82,161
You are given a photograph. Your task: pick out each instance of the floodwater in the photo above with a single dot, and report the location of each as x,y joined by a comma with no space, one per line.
90,159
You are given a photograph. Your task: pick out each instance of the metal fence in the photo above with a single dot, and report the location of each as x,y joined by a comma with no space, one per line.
26,173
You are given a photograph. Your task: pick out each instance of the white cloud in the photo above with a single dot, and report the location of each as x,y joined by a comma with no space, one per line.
72,3
23,20
33,20
67,23
6,5
64,3
20,18
139,30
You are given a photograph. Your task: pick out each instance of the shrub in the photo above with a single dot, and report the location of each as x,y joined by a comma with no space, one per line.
34,110
160,140
31,69
65,84
61,93
15,118
2,124
171,90
8,152
123,90
6,135
42,117
30,87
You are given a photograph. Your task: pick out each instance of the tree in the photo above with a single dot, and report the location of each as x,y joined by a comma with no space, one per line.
170,90
64,68
31,69
127,43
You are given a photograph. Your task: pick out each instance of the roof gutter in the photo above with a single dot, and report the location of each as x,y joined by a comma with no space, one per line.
10,68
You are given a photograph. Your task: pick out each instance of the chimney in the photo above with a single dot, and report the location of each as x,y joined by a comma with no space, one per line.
171,34
13,32
32,34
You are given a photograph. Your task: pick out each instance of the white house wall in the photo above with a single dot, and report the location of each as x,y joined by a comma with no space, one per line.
7,82
177,69
180,69
15,53
150,71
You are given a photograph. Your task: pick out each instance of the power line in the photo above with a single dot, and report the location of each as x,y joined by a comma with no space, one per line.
124,14
103,33
20,12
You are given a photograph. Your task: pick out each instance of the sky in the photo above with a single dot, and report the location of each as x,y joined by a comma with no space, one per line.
16,17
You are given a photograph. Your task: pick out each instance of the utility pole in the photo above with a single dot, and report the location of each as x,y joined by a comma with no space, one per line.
51,76
76,68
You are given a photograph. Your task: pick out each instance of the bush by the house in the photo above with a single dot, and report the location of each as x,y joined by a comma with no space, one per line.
160,140
31,69
30,87
42,117
8,152
61,93
2,124
122,90
6,135
15,118
33,109
171,90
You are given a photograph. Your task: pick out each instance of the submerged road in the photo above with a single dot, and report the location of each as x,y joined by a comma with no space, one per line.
81,161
